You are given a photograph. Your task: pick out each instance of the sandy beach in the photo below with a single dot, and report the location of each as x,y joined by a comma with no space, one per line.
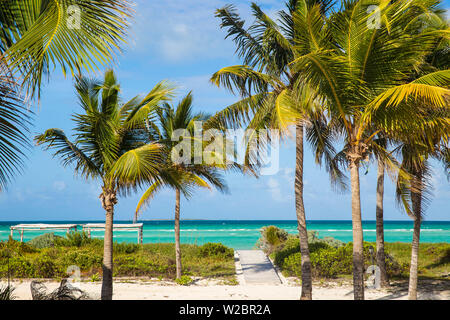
213,290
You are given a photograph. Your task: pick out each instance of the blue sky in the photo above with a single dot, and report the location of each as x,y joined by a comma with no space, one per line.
181,41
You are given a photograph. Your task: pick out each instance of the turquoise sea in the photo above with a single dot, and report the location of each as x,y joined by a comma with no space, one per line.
240,234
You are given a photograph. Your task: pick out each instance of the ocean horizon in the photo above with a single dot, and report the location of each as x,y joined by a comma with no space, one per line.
243,234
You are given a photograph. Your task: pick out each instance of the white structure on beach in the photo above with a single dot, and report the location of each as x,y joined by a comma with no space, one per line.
136,227
41,226
88,228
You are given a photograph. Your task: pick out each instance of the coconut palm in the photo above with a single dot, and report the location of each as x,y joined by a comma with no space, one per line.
437,60
182,176
273,96
414,191
428,141
360,70
77,35
379,212
111,145
36,36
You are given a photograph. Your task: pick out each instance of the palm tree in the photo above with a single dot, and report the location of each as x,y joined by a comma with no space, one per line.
437,60
379,212
360,70
112,146
35,37
413,191
185,176
428,141
273,96
77,35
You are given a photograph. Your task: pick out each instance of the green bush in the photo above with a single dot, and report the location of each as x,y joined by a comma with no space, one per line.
292,265
74,239
6,247
45,267
84,259
150,260
291,246
45,240
215,250
125,247
184,280
19,267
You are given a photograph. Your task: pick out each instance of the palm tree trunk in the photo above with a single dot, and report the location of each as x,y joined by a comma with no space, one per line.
381,259
301,217
358,257
108,202
416,199
177,234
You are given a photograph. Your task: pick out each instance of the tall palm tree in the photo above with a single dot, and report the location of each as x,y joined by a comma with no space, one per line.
428,141
111,146
414,191
360,70
272,95
437,60
379,212
36,36
185,176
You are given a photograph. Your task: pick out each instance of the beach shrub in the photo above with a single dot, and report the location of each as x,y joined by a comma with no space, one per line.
291,246
15,246
184,280
19,267
45,240
215,250
292,265
125,247
84,259
149,260
271,237
45,267
73,239
95,277
327,261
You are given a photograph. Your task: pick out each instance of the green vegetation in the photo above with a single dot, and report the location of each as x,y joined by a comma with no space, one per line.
184,280
331,258
130,260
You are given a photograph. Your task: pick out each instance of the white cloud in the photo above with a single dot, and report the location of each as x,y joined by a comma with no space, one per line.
181,31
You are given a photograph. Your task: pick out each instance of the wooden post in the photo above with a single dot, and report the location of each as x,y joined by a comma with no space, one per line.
141,235
12,232
21,235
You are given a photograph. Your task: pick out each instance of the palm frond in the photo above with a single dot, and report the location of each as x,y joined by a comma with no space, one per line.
68,152
76,35
14,123
137,167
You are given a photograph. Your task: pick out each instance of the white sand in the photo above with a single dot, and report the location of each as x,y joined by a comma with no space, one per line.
208,290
